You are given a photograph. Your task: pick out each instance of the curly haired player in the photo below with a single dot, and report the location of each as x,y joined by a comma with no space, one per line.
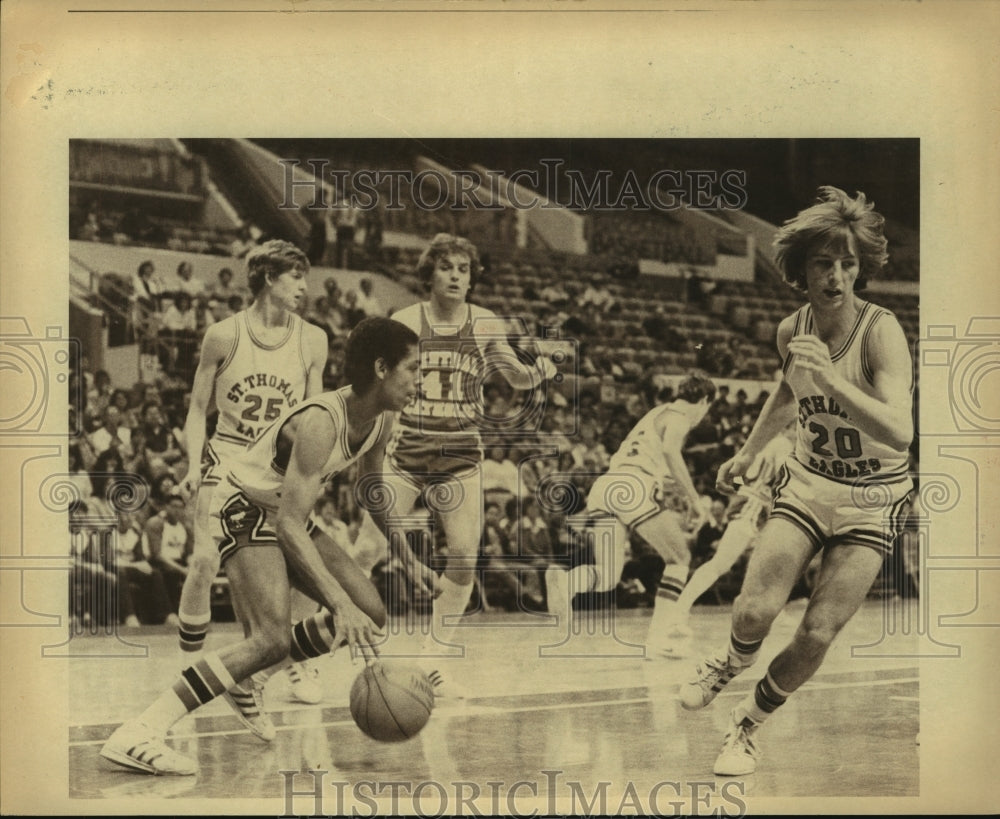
848,383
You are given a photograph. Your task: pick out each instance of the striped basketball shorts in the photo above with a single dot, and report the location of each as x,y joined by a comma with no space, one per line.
236,522
425,460
831,512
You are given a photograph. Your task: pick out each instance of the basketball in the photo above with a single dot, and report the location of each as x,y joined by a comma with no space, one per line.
391,703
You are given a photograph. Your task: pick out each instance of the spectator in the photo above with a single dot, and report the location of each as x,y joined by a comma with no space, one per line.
112,434
330,317
180,316
327,520
347,222
707,539
79,474
245,241
93,591
589,452
367,302
161,445
146,295
188,283
167,542
499,586
178,334
373,235
142,584
597,295
223,289
530,542
108,465
90,230
352,311
99,395
500,477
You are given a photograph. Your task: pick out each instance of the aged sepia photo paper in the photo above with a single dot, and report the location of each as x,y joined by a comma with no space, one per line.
202,201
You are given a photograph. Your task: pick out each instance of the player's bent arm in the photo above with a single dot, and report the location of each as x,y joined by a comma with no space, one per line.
675,431
779,409
500,355
318,350
775,416
214,348
316,436
888,415
370,490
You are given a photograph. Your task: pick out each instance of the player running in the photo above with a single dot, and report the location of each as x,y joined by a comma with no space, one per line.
630,496
848,385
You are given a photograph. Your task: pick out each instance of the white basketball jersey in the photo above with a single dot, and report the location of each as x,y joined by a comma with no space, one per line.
643,446
258,382
827,442
260,471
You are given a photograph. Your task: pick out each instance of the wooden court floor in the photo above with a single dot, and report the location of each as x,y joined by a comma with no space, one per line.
551,714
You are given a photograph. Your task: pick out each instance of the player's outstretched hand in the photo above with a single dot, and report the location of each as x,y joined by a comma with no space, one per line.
732,469
354,627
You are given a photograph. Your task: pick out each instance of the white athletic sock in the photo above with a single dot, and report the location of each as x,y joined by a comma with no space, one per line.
448,606
197,685
665,611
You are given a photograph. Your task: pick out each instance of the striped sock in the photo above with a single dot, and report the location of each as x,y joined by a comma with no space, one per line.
765,699
743,652
672,583
313,637
197,685
192,631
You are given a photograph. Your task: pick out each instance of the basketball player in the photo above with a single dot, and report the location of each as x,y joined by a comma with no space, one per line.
438,442
259,516
848,385
629,496
258,363
739,535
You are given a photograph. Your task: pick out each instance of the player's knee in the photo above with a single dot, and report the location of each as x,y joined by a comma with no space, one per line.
816,633
754,614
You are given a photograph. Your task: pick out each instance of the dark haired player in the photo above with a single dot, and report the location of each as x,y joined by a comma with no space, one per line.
848,386
629,495
259,521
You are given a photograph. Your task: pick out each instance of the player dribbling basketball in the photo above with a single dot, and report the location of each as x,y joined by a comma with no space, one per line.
260,523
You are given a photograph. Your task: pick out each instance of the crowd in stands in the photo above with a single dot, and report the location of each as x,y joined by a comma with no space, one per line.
627,331
135,226
634,235
133,434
